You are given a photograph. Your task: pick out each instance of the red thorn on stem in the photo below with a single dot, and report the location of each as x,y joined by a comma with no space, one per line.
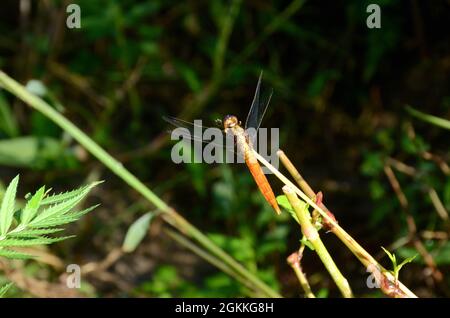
319,197
326,223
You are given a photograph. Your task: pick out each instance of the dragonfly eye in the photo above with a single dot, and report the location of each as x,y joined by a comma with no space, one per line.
229,121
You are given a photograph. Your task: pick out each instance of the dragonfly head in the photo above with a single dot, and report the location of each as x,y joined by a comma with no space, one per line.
229,121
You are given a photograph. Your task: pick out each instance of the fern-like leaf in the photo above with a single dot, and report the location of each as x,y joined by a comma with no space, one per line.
42,240
14,254
7,206
64,196
79,214
4,289
35,223
60,220
32,206
59,209
35,232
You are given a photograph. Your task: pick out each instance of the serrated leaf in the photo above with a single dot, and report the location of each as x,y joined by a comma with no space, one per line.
7,207
4,289
13,254
54,222
406,261
60,209
136,232
10,242
79,214
34,232
63,196
32,206
56,198
60,220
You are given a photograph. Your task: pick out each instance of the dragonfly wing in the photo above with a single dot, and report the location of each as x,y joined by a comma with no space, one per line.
183,123
258,107
197,132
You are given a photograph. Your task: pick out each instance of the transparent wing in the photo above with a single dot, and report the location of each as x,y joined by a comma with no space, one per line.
258,107
197,132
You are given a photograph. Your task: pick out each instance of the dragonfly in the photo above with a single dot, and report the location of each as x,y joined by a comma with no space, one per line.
243,137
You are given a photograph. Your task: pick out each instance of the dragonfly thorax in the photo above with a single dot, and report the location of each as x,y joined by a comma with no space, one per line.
229,121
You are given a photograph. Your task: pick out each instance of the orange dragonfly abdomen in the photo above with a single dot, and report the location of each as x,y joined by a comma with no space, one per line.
261,180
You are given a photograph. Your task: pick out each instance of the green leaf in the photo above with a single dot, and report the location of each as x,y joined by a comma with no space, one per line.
136,232
283,201
64,196
397,268
58,209
57,198
60,220
32,206
31,242
62,207
4,289
373,164
391,257
13,254
34,232
408,145
407,260
34,152
376,189
322,293
79,214
7,207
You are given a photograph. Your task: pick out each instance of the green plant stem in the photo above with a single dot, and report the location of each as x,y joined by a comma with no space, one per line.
437,121
303,282
209,258
361,254
312,235
295,174
171,216
192,231
293,261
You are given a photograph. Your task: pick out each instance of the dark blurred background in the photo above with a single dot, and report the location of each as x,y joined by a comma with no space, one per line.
340,91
